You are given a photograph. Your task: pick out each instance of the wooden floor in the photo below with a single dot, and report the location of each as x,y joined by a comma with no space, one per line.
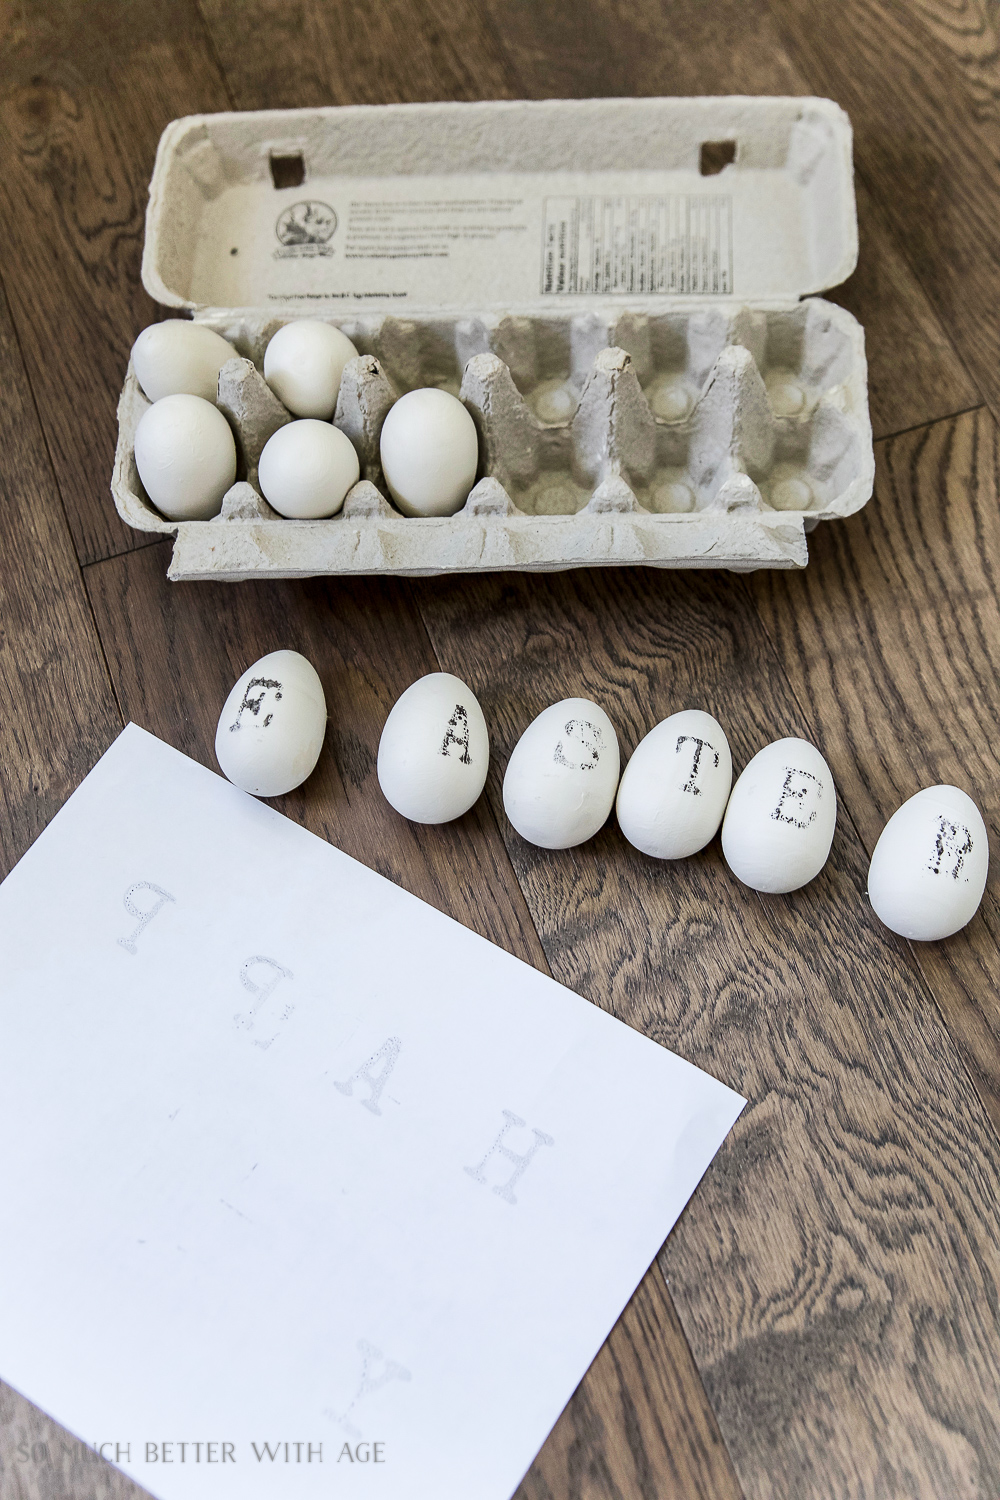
825,1319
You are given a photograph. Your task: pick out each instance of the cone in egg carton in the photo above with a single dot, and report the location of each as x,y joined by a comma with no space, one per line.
731,453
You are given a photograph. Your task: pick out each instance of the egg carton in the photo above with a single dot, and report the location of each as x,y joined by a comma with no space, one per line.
701,438
661,429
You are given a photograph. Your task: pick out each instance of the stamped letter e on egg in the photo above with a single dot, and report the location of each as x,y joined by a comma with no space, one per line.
265,684
952,843
792,803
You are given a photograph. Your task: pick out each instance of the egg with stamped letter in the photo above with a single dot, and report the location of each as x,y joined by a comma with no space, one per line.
781,817
562,776
435,750
272,727
928,871
675,788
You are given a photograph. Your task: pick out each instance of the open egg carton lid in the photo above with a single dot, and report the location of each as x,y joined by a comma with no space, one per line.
613,286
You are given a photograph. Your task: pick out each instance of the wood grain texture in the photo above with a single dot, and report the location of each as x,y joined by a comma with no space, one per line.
397,52
890,643
837,1273
368,643
600,48
914,374
56,704
967,30
922,86
84,93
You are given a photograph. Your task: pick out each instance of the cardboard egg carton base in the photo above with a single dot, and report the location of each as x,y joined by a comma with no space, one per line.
614,286
693,437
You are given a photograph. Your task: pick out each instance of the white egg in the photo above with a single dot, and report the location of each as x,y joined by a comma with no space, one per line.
303,364
271,730
430,453
675,788
781,816
563,774
928,872
177,358
435,750
186,456
307,468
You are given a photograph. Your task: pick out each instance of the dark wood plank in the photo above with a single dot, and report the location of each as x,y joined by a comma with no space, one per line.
58,715
923,91
889,639
83,98
600,48
307,52
968,32
837,1274
57,707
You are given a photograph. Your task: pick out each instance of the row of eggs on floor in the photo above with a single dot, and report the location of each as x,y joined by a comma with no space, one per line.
927,874
186,454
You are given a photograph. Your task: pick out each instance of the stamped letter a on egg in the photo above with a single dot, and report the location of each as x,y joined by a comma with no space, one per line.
457,733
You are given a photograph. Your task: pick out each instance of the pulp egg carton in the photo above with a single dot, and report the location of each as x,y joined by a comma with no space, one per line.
616,288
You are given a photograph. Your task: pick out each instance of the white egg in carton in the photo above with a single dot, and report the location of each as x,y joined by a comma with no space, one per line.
627,334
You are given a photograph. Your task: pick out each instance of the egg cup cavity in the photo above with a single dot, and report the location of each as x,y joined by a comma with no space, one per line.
701,436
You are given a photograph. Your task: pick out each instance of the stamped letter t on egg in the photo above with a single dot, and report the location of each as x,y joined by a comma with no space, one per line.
675,788
781,817
691,785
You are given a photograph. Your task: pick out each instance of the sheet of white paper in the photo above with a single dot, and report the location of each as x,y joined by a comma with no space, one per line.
308,1190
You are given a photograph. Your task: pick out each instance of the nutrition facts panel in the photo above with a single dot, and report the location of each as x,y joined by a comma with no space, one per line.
679,242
